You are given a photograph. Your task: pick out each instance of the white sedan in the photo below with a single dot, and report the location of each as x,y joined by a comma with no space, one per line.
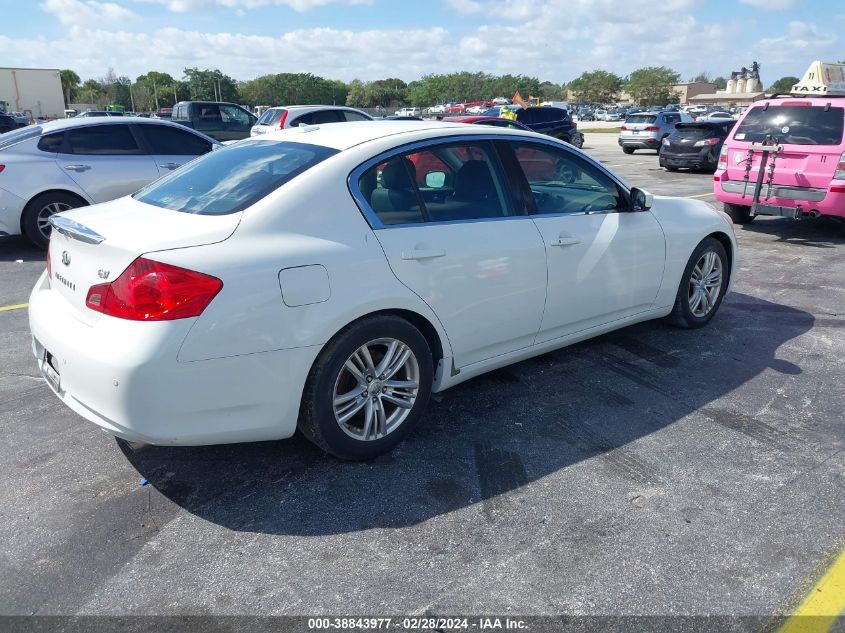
45,169
333,278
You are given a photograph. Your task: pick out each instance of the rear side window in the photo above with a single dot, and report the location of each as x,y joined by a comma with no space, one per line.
234,178
102,140
793,125
51,143
166,140
271,116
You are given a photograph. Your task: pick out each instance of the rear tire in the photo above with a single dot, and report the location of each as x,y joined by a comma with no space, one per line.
740,214
36,214
354,417
628,150
668,168
702,286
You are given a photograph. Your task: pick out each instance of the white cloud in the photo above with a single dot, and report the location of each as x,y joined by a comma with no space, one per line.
183,6
802,41
86,11
770,5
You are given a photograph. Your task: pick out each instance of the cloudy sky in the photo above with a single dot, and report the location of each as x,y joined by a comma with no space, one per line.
554,40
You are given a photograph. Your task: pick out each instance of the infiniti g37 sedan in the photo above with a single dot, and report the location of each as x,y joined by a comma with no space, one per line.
332,278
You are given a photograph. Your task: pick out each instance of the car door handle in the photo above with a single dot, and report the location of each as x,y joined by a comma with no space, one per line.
78,168
423,254
566,241
170,165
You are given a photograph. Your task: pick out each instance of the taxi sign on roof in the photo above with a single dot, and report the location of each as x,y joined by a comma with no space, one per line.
821,78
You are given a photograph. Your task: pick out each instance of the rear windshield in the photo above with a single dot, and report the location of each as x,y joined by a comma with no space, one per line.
271,116
793,125
641,118
691,130
21,134
231,179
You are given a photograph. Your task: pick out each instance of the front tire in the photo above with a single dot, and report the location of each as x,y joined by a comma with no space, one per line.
35,221
740,214
628,150
367,389
703,285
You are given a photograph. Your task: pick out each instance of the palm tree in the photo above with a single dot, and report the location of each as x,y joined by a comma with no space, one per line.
70,81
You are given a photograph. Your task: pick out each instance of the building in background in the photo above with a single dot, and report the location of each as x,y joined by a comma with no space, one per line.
35,91
744,88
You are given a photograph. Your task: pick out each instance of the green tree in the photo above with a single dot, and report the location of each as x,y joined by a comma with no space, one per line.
550,91
70,82
292,89
598,86
721,83
702,77
210,85
155,90
357,95
91,92
652,85
784,84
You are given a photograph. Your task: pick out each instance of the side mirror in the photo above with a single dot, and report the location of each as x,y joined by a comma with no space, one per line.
641,200
435,179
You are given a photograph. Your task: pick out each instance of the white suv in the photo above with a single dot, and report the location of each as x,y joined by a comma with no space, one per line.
292,116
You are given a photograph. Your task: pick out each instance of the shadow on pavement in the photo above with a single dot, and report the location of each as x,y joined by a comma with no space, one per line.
488,437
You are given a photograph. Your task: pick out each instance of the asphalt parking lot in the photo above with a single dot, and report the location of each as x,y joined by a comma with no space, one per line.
652,471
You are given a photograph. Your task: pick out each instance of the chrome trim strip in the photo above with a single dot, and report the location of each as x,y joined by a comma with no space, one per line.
376,224
778,191
75,230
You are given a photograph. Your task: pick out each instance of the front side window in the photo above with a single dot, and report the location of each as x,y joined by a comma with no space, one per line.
233,114
441,183
793,125
562,182
209,113
102,140
234,178
166,140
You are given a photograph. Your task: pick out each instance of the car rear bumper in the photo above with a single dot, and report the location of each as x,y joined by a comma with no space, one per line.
784,200
639,142
706,158
11,208
124,376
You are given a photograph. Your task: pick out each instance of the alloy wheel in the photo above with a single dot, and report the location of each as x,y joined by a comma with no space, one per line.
43,218
705,284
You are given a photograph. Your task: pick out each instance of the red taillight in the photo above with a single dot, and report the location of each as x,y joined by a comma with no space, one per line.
796,103
837,189
2,167
723,158
624,127
153,291
839,174
49,265
652,128
282,119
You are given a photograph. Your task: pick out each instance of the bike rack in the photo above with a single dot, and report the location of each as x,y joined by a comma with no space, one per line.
770,148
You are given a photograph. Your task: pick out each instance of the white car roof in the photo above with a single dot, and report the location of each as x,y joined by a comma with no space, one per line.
63,124
342,136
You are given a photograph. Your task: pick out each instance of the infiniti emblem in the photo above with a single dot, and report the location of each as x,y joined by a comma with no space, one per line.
66,258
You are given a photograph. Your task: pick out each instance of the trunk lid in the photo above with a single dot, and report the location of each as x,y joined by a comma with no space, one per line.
94,245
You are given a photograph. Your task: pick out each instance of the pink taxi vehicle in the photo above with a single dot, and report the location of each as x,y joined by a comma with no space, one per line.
786,155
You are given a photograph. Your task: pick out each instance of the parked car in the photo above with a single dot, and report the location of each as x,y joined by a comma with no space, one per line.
96,113
440,108
68,163
219,120
551,121
22,117
694,145
717,115
409,111
209,308
8,123
294,116
488,120
647,130
808,176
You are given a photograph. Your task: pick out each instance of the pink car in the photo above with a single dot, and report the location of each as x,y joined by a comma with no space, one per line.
785,157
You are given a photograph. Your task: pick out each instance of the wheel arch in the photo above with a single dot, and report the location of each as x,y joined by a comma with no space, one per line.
61,190
726,241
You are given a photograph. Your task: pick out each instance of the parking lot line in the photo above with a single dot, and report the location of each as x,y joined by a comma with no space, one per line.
17,306
826,600
700,195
